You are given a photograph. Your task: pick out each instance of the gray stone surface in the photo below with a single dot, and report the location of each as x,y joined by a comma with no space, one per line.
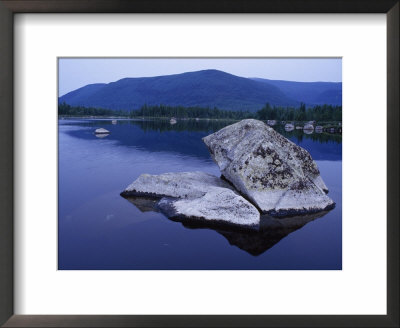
177,185
196,196
275,174
219,205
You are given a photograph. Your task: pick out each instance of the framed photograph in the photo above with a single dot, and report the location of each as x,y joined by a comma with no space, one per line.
213,164
168,130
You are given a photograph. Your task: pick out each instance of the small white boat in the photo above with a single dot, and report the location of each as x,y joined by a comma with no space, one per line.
172,120
101,131
114,122
309,127
299,128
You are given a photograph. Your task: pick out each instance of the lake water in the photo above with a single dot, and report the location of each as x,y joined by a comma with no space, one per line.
100,230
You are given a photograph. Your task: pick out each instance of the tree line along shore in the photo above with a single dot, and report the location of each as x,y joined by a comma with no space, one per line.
319,113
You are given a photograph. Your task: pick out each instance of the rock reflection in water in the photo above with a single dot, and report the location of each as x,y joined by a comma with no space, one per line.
102,135
144,204
271,230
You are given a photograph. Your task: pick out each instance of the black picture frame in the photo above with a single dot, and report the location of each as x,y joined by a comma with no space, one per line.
10,7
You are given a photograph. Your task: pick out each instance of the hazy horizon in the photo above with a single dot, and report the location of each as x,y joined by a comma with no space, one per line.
74,73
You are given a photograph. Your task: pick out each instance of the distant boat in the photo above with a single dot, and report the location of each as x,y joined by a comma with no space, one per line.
308,127
101,131
299,127
289,127
172,120
114,121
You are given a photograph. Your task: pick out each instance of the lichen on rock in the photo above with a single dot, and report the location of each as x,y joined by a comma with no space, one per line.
275,174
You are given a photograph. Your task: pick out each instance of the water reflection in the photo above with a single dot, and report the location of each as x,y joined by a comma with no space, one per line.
185,136
144,204
299,134
101,135
271,230
209,126
98,229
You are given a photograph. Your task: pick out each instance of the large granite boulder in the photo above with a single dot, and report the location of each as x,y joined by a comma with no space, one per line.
275,174
196,196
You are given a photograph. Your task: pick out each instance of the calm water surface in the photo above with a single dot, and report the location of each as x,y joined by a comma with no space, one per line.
98,229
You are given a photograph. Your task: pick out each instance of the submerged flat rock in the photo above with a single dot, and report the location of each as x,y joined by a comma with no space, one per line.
275,174
196,196
177,185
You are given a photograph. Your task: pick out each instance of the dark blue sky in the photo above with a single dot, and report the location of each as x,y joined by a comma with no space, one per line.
78,72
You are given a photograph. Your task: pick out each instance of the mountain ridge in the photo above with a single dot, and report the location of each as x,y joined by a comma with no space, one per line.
315,93
205,88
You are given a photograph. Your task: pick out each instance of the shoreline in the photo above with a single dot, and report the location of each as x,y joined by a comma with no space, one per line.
339,123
